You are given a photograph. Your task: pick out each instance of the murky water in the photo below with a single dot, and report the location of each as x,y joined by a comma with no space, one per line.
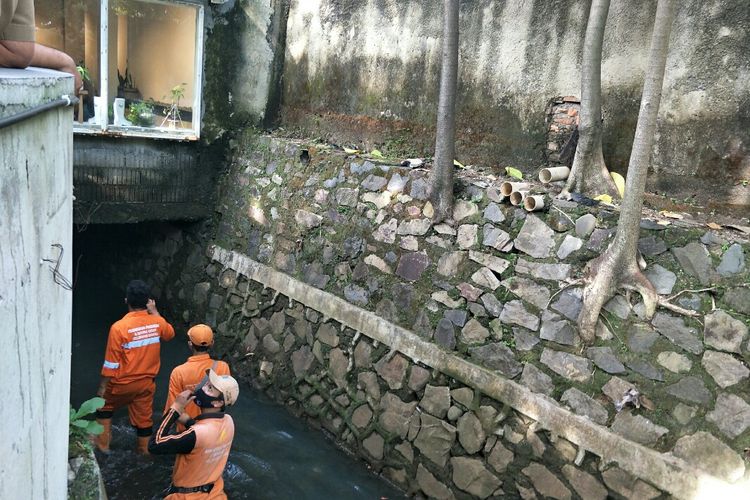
274,455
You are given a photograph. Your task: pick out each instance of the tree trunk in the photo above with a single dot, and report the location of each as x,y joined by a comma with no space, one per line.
617,267
589,174
442,169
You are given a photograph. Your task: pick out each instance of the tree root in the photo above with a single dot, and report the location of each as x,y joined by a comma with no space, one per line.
604,276
663,302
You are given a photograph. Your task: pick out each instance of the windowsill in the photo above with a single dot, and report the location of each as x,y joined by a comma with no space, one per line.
147,132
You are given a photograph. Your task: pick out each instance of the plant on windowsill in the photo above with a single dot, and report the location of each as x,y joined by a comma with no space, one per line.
173,113
141,114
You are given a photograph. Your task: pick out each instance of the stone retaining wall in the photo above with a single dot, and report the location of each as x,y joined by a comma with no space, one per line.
331,288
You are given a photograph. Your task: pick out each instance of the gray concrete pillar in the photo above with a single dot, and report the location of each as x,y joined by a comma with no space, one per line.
36,215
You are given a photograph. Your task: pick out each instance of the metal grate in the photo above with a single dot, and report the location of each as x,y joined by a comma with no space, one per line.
132,185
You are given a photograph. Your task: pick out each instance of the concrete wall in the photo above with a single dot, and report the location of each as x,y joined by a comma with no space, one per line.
244,56
367,72
36,159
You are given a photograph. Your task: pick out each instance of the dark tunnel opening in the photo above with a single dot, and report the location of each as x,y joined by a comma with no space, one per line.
274,454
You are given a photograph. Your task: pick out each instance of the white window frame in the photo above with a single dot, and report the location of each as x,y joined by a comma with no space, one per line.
191,134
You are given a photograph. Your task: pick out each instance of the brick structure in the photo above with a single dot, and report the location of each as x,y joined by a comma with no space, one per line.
561,118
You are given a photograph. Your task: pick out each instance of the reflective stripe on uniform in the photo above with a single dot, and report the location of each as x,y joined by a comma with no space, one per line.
141,343
111,365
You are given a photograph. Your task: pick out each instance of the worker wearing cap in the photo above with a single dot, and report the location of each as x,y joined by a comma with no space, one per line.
131,362
203,448
191,374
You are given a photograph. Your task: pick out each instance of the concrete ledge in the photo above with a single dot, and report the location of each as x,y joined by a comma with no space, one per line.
665,471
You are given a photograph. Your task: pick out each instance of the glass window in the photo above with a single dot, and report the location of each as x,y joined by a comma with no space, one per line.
73,27
146,79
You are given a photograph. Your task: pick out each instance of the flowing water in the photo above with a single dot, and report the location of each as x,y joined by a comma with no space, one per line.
274,455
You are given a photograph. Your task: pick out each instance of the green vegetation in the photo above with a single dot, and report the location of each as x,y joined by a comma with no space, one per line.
141,114
79,425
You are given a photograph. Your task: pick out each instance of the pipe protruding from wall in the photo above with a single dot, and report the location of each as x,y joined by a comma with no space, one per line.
533,203
552,174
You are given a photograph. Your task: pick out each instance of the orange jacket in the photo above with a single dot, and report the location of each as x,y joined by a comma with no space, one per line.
202,452
133,347
188,375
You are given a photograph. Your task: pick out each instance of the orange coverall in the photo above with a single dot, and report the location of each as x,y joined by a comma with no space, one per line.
132,360
188,375
202,452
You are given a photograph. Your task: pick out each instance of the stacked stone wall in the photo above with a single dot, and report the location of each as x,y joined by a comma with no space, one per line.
330,287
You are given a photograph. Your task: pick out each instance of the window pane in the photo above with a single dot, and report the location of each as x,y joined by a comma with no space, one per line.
151,64
72,26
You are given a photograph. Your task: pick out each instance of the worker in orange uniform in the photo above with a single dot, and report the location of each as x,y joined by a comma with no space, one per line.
131,362
191,375
203,448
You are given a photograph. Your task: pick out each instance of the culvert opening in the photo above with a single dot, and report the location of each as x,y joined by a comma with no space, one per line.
274,454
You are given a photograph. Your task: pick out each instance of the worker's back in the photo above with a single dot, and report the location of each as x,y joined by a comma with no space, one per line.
134,347
188,375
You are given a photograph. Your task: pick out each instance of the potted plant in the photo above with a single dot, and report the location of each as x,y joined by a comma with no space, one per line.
141,114
173,112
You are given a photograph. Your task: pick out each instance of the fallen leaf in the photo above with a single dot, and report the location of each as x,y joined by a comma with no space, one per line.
351,151
514,172
375,153
671,215
714,225
458,164
619,182
604,198
647,403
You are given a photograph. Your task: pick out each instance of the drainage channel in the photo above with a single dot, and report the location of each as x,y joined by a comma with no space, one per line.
274,455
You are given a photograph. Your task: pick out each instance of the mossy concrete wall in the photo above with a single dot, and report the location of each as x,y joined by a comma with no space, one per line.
367,73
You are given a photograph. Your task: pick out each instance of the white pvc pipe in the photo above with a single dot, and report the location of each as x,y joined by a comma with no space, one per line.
517,197
506,188
497,195
533,203
553,174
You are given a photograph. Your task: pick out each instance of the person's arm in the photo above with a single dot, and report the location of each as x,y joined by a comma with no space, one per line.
167,331
103,382
174,390
164,443
47,57
112,358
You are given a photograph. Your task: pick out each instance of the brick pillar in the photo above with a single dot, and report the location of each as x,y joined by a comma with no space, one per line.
561,119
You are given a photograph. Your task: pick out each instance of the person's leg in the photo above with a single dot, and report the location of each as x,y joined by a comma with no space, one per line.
141,413
15,54
113,399
47,57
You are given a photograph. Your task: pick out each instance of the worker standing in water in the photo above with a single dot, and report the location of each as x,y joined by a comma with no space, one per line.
203,448
191,375
131,362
